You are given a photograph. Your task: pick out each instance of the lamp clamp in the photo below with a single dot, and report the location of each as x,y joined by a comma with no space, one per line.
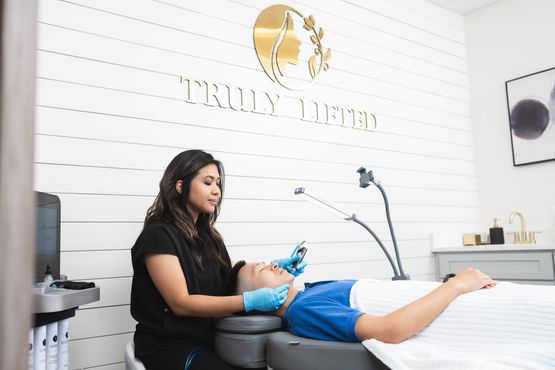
365,177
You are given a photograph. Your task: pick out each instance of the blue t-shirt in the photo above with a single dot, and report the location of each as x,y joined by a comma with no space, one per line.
322,311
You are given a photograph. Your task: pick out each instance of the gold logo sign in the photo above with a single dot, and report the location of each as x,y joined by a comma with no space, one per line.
278,40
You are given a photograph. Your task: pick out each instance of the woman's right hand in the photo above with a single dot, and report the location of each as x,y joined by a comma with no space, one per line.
265,299
471,279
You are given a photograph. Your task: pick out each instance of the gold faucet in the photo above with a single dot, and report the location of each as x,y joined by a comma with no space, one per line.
521,237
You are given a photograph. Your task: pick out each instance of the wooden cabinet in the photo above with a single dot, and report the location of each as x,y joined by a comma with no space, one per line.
519,264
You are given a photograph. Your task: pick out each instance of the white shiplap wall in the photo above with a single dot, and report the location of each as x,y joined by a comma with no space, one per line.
111,115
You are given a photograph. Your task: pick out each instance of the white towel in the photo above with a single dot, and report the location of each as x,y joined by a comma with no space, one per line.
510,326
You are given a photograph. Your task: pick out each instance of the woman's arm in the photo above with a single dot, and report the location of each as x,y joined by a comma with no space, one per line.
167,275
405,322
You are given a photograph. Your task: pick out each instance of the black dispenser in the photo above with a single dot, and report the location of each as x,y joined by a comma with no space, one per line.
496,235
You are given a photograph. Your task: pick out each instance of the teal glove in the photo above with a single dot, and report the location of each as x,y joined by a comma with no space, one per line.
287,263
265,299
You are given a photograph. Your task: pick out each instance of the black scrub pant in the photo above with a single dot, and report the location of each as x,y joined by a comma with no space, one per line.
175,356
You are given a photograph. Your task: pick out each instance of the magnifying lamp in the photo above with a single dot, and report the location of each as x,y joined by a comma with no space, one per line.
301,192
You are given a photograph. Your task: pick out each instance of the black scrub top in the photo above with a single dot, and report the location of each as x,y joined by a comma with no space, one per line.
157,324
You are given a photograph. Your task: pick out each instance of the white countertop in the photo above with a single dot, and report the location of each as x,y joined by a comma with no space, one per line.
497,248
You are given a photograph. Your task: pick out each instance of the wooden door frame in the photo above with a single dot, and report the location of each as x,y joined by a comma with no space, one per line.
18,35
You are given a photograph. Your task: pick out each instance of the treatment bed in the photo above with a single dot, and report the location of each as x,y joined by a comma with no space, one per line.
509,327
260,341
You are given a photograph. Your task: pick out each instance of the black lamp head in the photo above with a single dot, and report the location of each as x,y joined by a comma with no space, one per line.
365,177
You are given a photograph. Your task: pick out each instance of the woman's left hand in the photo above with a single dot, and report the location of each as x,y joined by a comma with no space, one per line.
287,264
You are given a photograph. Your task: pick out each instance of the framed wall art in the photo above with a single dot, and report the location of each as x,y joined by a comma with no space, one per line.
531,104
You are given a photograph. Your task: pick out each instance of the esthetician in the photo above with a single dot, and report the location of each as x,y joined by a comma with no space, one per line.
180,266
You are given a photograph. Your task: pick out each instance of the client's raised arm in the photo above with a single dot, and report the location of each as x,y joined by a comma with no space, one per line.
405,322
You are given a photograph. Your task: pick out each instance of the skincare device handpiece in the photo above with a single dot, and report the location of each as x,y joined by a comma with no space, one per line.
300,250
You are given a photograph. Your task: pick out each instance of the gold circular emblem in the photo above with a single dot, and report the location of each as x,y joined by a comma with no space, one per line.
278,46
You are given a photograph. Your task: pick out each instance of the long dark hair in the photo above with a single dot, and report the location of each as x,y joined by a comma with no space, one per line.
171,207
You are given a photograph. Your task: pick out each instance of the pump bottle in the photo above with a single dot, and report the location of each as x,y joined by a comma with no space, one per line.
496,234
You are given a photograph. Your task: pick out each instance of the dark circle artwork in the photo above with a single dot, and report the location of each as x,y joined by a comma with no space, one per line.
529,119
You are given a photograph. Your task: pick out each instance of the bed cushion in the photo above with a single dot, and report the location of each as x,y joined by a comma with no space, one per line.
248,323
241,340
285,351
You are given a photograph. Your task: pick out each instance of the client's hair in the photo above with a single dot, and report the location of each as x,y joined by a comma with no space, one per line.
234,285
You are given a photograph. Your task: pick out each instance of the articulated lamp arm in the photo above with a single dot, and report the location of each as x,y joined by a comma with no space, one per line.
330,208
365,179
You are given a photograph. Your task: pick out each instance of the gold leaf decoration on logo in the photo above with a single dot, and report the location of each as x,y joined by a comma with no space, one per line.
327,56
312,66
316,39
309,23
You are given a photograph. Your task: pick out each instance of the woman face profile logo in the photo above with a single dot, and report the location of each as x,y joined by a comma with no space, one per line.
279,48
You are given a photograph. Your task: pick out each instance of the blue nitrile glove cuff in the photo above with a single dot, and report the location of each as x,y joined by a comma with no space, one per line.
265,299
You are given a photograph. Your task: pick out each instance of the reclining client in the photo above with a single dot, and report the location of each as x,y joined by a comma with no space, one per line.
324,309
